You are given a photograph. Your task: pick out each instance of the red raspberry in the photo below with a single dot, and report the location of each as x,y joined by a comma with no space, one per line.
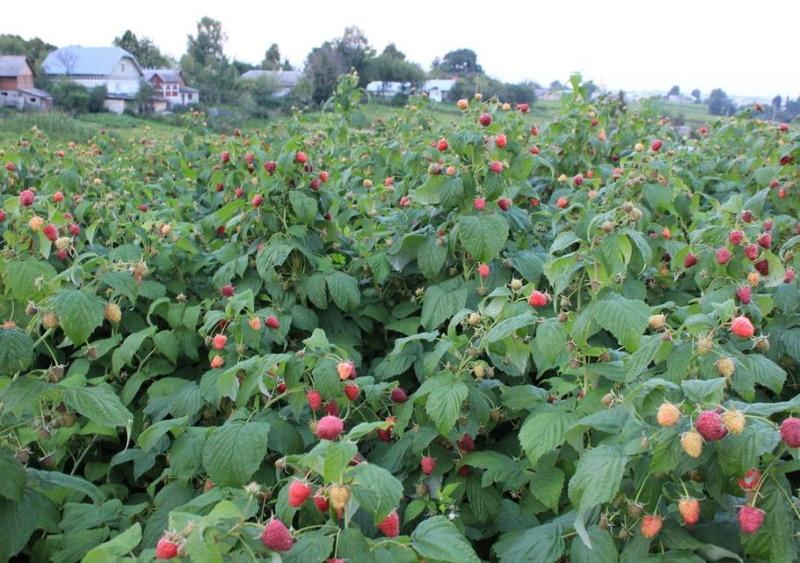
346,370
651,525
690,260
257,201
273,322
485,119
219,341
299,491
504,203
321,502
762,267
332,408
479,203
26,198
390,526
442,145
496,166
270,167
227,290
427,464
750,519
466,443
166,548
300,157
751,251
723,255
689,509
399,395
577,179
351,391
656,145
330,427
276,536
790,432
314,399
743,294
750,480
483,270
538,299
74,229
747,216
710,426
742,327
500,140
764,240
736,237
51,232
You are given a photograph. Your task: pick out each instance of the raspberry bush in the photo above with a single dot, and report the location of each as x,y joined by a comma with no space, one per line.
403,340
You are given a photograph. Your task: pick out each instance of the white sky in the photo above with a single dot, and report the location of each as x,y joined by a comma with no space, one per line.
747,48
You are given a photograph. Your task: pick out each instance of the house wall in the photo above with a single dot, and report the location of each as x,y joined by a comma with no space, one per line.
114,106
10,98
123,79
25,78
8,83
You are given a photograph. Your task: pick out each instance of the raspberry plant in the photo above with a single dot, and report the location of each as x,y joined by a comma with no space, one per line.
403,340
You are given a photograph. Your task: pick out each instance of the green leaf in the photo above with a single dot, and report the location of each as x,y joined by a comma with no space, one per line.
304,207
375,489
16,351
431,257
438,539
483,237
509,326
312,546
98,404
603,549
20,519
559,271
547,487
153,433
120,545
338,456
28,279
344,291
167,344
12,483
551,338
234,451
444,405
597,476
637,362
543,431
542,544
440,303
123,355
57,481
626,319
79,313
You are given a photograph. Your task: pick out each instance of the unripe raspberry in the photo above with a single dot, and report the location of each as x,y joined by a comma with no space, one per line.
692,443
726,367
657,322
668,414
217,362
255,323
515,284
473,319
346,370
36,223
651,525
705,345
112,313
50,320
689,509
63,243
339,495
734,421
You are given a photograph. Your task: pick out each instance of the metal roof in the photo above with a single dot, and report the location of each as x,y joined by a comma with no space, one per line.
12,65
36,92
86,60
166,74
286,78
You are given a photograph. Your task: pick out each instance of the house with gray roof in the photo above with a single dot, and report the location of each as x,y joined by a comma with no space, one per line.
170,86
16,85
112,67
286,79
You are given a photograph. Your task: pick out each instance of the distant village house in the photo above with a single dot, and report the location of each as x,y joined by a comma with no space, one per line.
16,85
437,90
285,80
170,89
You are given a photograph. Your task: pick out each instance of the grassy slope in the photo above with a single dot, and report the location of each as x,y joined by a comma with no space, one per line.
62,128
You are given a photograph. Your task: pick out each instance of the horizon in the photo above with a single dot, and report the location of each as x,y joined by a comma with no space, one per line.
719,59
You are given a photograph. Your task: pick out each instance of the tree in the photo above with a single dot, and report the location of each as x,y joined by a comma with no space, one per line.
555,85
777,101
145,51
206,66
206,47
460,62
97,99
261,93
143,97
323,67
35,50
272,58
696,95
391,66
355,52
719,103
674,91
70,96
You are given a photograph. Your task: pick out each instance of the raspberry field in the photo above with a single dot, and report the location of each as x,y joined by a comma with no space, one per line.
335,338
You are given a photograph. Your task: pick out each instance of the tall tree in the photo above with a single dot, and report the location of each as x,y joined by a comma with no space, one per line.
719,103
323,67
206,47
696,95
145,51
674,91
460,62
272,58
391,66
355,51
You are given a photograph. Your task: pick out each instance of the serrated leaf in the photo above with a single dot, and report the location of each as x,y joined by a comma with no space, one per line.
444,405
626,319
28,279
603,549
483,237
542,544
16,351
98,404
597,476
375,489
79,313
509,326
441,303
234,451
344,291
431,257
543,431
438,539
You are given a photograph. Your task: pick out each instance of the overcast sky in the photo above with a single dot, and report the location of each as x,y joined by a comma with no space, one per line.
747,48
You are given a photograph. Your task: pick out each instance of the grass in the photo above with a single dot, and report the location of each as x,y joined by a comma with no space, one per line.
61,128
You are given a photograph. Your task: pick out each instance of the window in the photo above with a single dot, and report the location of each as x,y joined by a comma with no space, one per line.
33,100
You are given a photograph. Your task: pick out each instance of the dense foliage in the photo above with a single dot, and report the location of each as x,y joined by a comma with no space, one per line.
396,342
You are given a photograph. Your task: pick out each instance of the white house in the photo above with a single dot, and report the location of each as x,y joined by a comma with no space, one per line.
169,86
112,67
388,89
439,89
286,79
